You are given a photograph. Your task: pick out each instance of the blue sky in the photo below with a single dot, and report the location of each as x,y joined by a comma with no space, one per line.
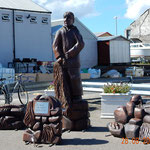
98,15
105,22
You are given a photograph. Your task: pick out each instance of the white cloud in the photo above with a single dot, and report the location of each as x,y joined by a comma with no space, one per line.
81,8
136,7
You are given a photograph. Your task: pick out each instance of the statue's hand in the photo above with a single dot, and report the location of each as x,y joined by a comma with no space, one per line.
68,54
59,60
64,61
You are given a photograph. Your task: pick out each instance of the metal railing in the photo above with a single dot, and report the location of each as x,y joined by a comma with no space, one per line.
141,89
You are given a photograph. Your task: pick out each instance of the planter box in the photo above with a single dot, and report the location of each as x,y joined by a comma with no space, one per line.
49,92
110,102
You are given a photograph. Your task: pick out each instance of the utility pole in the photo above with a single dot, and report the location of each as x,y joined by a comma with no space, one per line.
116,23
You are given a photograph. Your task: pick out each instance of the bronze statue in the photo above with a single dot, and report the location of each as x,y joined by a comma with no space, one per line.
67,45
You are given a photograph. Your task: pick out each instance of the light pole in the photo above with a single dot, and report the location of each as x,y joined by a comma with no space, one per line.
116,23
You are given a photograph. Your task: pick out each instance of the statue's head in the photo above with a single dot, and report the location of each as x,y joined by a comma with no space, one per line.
68,19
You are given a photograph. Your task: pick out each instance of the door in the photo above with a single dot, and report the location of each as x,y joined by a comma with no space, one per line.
103,53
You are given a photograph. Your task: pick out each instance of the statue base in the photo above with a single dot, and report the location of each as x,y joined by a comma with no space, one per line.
76,116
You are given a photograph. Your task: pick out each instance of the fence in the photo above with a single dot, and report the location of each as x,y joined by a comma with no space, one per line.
141,89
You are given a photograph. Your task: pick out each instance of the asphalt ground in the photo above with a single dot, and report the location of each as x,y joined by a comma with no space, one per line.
96,137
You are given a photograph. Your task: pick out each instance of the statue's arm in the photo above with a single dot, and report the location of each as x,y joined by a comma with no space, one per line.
57,46
75,50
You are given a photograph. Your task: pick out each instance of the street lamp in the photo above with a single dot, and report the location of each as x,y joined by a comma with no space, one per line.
116,23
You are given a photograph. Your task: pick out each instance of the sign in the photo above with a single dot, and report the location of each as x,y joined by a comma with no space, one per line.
41,108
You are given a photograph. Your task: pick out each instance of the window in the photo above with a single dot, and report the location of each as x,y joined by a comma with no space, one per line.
5,17
33,19
128,34
45,20
19,18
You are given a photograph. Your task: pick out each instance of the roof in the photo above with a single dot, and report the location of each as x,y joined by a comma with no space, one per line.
55,29
99,34
61,22
57,22
27,5
109,38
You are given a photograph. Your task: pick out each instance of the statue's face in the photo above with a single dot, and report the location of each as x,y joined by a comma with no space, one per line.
68,20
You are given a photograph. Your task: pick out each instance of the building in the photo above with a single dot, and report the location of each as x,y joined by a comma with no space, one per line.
139,30
25,29
88,55
113,50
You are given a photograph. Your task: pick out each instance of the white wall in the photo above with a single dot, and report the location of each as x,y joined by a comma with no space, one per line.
33,40
119,51
6,39
88,56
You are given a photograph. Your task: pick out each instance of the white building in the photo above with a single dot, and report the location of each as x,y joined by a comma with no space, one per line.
113,50
25,31
88,55
139,30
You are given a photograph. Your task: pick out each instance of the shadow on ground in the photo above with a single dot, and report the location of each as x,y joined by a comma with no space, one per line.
78,141
94,104
92,108
93,99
